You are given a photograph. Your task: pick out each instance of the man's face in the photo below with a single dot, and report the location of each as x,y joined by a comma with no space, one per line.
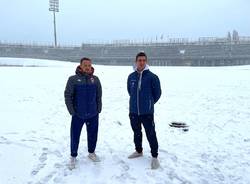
86,66
141,63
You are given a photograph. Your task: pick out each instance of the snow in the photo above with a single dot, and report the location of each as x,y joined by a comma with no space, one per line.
214,102
27,62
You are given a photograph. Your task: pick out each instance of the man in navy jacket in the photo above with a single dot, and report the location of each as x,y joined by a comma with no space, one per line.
83,98
144,90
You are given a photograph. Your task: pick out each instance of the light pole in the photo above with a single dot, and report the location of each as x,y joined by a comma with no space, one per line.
54,7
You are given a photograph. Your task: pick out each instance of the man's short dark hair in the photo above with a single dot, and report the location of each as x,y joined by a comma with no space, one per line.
140,54
85,59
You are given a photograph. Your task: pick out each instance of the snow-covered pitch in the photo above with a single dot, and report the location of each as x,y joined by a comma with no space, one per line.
34,127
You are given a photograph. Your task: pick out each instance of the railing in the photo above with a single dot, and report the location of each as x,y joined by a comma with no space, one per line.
124,43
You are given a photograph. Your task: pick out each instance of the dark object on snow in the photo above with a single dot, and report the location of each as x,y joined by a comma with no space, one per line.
182,125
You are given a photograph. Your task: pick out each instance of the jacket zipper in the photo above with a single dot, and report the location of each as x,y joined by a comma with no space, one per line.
138,92
86,83
149,104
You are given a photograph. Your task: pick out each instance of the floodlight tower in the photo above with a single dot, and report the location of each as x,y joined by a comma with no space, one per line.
54,7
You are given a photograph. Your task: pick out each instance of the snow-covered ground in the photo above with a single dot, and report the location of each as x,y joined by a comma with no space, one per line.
27,62
214,102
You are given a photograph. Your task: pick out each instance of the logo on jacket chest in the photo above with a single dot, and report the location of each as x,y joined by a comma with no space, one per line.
133,83
92,80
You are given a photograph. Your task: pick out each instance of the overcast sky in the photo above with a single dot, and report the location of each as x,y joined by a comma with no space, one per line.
93,20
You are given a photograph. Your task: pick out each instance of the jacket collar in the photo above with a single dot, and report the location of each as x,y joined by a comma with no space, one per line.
145,69
80,72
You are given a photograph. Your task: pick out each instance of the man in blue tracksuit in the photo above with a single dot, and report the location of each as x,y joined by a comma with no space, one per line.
83,98
144,90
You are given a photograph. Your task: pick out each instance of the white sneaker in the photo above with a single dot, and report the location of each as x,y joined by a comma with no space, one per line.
155,164
135,155
72,163
94,157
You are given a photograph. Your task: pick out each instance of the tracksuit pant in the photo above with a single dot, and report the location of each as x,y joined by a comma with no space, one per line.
75,132
148,122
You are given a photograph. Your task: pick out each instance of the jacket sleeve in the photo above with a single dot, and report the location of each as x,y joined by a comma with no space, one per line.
128,87
69,95
99,96
156,86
